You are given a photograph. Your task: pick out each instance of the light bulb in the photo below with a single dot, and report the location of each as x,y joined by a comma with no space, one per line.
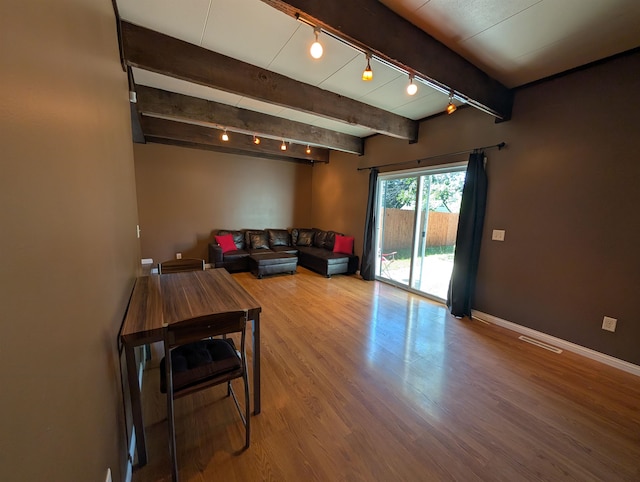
451,107
225,136
283,147
308,151
256,140
411,88
367,75
316,49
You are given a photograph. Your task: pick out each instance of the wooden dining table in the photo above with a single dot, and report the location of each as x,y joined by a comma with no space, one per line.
160,300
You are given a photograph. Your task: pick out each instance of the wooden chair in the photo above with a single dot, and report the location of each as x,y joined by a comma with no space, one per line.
193,361
178,265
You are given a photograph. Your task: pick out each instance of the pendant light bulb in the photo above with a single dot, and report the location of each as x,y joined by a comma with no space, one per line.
451,107
308,151
256,140
225,136
316,49
411,88
367,75
283,147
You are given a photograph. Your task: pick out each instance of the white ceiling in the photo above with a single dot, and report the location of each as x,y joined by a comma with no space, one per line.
515,42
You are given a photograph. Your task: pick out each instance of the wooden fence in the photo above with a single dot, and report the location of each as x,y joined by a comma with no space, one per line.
398,229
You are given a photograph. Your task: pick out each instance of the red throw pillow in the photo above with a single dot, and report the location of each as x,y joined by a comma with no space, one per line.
226,242
343,244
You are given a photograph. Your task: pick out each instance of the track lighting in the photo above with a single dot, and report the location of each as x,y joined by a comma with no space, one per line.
308,151
411,88
316,47
367,74
451,107
283,147
256,140
225,136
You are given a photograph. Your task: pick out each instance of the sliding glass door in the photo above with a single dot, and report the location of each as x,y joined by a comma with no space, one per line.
397,211
418,220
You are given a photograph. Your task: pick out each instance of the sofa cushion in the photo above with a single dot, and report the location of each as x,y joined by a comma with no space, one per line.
258,240
319,238
235,256
226,243
279,237
343,244
330,240
285,249
305,237
247,236
238,237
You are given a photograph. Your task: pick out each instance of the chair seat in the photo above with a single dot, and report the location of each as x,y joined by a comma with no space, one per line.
195,360
199,361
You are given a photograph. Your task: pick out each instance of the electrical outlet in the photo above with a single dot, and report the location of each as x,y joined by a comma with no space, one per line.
497,235
609,323
178,255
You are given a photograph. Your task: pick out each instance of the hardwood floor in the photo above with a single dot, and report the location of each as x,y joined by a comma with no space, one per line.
365,382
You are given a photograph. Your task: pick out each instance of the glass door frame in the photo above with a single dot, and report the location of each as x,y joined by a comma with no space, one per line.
419,173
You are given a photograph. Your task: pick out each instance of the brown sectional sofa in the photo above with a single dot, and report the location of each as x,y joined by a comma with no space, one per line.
314,248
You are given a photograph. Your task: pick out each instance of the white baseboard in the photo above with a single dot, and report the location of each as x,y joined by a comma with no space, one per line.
560,343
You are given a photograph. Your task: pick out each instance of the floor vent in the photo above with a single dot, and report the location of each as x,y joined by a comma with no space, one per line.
540,344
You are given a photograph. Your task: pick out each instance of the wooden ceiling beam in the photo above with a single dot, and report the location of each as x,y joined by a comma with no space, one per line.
166,55
371,26
192,134
159,102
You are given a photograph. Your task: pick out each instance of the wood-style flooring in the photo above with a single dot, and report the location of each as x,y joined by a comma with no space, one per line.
365,382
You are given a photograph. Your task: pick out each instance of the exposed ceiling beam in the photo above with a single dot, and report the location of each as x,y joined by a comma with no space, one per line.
192,134
371,26
166,55
136,129
178,106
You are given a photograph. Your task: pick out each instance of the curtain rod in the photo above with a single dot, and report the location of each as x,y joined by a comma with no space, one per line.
499,146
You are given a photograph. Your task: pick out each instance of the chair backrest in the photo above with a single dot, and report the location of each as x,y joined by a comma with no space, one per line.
205,326
179,265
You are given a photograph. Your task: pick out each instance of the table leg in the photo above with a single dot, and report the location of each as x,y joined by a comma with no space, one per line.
136,404
256,364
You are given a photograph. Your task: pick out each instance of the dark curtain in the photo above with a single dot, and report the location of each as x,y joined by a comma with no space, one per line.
467,254
368,266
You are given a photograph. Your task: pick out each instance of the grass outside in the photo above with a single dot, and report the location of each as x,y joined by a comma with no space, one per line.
435,272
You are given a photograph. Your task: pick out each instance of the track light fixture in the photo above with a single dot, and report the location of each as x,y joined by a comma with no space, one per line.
367,74
411,88
316,47
256,140
225,136
451,107
283,147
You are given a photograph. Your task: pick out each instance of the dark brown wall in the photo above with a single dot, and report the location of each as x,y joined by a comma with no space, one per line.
184,194
565,190
338,193
567,199
67,240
